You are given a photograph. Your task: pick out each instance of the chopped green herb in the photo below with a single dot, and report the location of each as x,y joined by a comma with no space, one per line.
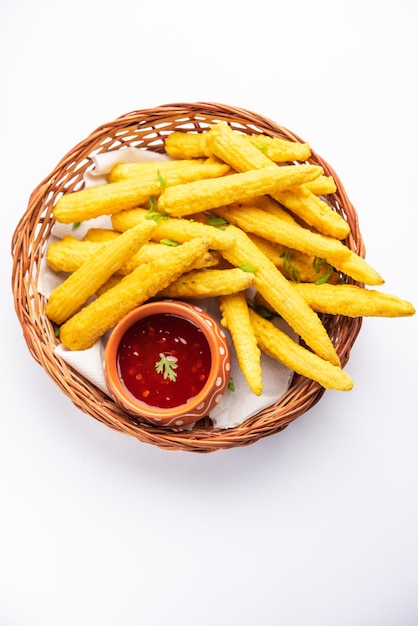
216,221
317,264
161,180
324,278
246,267
166,366
169,242
263,311
231,385
287,265
294,275
286,259
260,146
76,225
153,213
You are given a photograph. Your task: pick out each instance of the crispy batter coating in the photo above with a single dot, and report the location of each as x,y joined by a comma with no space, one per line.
353,301
204,195
209,283
236,318
73,293
278,292
280,346
87,326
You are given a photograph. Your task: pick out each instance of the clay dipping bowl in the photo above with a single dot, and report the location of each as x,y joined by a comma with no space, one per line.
191,379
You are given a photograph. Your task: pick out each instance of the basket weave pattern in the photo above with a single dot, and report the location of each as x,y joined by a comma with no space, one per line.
148,128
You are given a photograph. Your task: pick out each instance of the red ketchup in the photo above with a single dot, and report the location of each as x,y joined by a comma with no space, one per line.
164,360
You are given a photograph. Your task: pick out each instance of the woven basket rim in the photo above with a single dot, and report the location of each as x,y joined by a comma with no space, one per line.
147,128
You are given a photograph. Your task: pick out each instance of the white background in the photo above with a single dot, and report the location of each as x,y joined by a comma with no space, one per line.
316,526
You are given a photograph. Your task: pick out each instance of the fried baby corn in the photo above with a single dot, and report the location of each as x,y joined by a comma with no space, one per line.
234,149
322,186
279,150
285,232
87,326
69,253
353,301
208,283
271,226
278,292
177,229
204,195
236,318
314,211
168,173
71,294
181,145
127,193
280,346
295,265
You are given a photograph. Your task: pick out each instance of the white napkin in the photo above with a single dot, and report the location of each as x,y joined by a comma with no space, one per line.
235,406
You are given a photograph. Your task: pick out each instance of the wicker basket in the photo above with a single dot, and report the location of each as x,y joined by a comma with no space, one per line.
147,129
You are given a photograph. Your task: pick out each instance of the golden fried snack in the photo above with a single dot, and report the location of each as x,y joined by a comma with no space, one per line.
122,170
127,193
113,280
168,173
100,235
285,232
359,269
271,226
280,346
203,195
71,294
205,283
236,318
83,329
278,291
180,145
322,186
314,211
106,199
296,265
177,229
278,149
68,253
353,301
234,149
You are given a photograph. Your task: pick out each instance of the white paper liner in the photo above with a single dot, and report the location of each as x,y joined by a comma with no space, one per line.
235,406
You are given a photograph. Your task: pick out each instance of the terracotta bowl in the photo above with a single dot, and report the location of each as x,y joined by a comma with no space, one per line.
168,363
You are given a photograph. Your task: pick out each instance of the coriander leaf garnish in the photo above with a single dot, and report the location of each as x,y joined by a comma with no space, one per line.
317,263
166,366
231,385
324,278
76,225
294,275
246,267
286,259
153,212
161,180
263,312
216,221
169,242
287,265
261,146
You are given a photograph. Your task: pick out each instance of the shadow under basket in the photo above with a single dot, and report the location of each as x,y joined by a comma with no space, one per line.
148,129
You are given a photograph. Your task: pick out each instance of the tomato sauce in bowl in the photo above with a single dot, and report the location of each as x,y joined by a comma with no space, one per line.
164,360
167,362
